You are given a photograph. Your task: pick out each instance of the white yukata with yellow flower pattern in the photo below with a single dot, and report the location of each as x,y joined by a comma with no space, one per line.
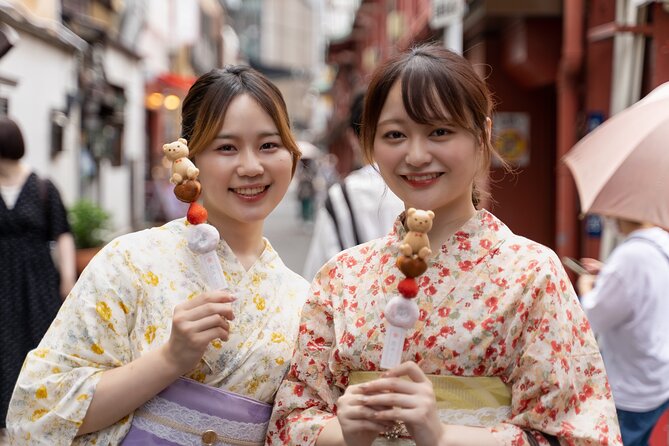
121,308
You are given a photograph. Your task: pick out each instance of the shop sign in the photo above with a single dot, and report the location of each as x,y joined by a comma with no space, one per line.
511,137
446,12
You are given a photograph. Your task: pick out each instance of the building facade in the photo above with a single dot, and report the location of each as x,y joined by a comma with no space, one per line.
556,69
38,89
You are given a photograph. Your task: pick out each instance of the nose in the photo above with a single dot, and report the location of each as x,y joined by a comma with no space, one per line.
418,154
249,164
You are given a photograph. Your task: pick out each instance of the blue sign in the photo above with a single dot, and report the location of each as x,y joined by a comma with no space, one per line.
594,119
593,226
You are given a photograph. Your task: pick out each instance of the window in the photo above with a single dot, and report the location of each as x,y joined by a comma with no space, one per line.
58,123
4,106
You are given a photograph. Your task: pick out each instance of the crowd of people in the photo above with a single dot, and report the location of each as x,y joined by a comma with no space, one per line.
502,351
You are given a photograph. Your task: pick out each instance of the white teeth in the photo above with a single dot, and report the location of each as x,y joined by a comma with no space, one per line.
422,177
249,190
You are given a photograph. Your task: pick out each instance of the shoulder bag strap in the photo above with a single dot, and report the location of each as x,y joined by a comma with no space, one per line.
652,242
354,225
43,191
330,210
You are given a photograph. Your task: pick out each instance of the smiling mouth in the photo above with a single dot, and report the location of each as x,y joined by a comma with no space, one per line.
421,178
249,191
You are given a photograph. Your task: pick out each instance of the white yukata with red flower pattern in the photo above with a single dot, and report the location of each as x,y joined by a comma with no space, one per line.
491,304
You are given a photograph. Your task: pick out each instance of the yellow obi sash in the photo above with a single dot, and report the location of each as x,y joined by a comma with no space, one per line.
457,392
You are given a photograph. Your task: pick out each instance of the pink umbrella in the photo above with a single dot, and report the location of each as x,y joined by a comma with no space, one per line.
621,168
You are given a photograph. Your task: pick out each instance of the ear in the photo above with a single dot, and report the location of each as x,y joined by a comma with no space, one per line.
182,141
411,211
430,214
165,147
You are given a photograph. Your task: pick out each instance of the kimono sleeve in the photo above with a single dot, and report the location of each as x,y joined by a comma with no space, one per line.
89,335
306,399
558,383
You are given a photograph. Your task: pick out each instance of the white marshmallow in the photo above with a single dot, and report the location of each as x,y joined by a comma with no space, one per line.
202,238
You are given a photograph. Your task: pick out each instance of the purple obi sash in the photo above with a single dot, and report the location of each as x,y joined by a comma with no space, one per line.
189,413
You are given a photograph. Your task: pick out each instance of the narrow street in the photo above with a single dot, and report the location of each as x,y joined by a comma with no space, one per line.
287,233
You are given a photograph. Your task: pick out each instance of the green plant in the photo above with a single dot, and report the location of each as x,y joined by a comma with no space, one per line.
88,223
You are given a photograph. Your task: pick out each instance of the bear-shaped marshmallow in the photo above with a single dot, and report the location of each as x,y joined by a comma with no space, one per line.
182,168
418,223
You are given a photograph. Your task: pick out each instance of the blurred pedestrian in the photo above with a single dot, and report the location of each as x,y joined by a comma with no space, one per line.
356,210
307,183
501,353
327,166
141,318
627,302
32,217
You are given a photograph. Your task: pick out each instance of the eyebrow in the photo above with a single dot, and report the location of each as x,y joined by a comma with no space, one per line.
261,134
391,121
446,122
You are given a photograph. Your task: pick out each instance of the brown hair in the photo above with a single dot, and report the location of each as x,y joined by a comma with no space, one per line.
434,81
11,140
207,101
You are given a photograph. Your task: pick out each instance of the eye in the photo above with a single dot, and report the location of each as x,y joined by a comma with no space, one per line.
393,134
441,132
225,148
269,146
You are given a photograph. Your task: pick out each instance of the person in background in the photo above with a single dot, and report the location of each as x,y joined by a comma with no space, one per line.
356,210
141,316
307,178
501,353
327,166
627,302
32,217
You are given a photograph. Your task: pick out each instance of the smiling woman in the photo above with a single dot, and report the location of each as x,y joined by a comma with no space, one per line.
157,338
499,351
429,164
246,169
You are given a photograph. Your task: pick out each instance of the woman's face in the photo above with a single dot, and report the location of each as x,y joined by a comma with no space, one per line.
246,170
427,166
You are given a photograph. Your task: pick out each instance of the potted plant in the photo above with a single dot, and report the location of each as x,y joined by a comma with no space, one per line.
89,224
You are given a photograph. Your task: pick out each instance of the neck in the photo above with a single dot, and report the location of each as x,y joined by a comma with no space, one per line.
447,222
244,239
12,172
627,227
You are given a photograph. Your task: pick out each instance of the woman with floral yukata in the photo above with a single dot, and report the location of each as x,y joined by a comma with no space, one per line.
141,316
501,353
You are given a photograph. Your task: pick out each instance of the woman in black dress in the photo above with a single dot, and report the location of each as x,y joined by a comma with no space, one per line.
31,288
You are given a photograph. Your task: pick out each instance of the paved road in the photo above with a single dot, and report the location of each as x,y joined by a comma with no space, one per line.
286,232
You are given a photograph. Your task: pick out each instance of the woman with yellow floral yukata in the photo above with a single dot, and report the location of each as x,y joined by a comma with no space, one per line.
501,353
138,319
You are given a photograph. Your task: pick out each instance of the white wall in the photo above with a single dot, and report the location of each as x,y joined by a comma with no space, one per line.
45,75
289,34
170,24
291,38
126,72
338,18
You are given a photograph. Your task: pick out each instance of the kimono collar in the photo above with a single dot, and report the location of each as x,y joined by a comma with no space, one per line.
475,238
268,255
232,265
